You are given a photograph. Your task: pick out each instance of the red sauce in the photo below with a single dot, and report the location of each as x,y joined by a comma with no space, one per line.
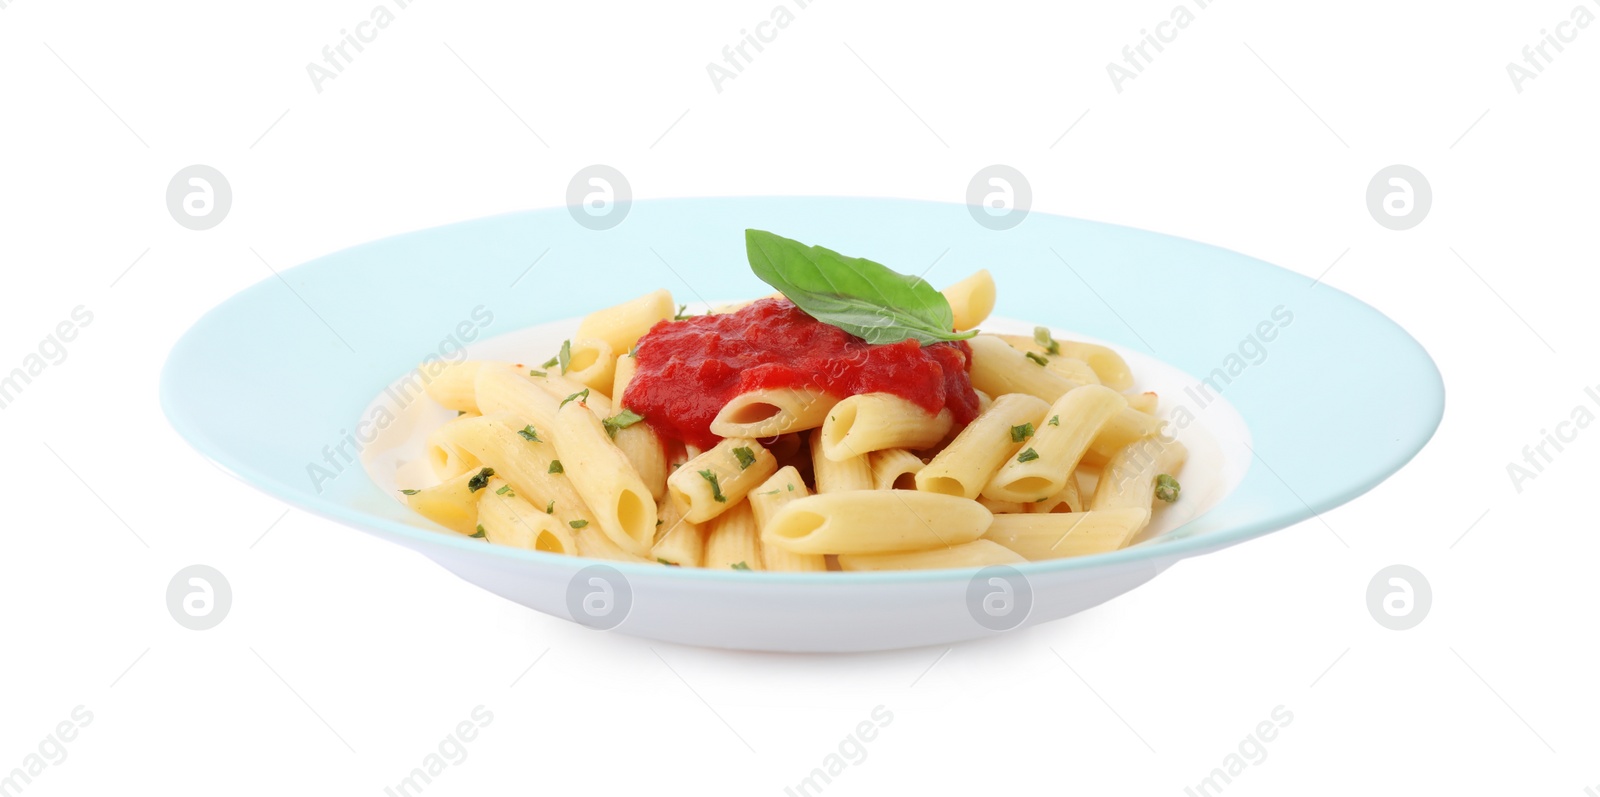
689,369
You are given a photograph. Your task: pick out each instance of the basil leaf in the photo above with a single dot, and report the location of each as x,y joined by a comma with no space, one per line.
861,297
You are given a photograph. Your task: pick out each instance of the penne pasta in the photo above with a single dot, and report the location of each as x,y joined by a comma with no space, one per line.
1053,536
1146,402
871,422
618,499
593,543
445,458
450,503
967,464
506,518
562,388
504,390
769,412
978,553
765,501
593,364
971,300
876,521
1070,499
621,326
638,441
1128,480
1003,507
835,476
678,542
453,386
894,469
1047,460
997,369
495,441
718,479
732,542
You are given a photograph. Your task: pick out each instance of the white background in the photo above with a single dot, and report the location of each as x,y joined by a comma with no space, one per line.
345,660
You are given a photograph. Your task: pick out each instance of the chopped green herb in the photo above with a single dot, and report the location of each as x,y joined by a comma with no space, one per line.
745,456
681,314
634,352
659,521
1041,336
555,467
565,355
530,434
538,373
1021,433
1028,456
773,491
550,363
480,533
578,524
410,492
1055,420
551,509
505,489
1036,358
479,481
460,413
740,566
1167,488
580,396
621,420
665,562
791,488
716,489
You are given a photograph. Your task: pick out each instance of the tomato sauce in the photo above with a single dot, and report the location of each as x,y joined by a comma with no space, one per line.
688,370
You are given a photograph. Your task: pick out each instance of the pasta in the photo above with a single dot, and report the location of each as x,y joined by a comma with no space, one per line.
757,437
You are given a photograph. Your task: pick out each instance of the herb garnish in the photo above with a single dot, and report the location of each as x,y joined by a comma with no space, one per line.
1028,456
530,434
479,481
555,467
1021,433
621,420
1041,336
1167,488
580,396
716,489
745,456
578,524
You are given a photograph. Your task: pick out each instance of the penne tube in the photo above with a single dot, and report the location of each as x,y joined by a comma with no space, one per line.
562,388
621,326
769,412
971,300
997,369
718,479
1070,499
833,476
593,365
894,469
732,541
638,441
765,501
978,553
1040,537
1122,430
871,422
593,543
445,458
504,389
1147,402
451,503
508,519
453,386
530,466
1046,461
618,499
678,542
967,464
1128,480
984,401
1003,507
876,521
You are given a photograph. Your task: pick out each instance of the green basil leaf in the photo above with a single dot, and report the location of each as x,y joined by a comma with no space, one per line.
861,297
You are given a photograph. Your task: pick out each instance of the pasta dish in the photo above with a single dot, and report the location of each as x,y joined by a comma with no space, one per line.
857,419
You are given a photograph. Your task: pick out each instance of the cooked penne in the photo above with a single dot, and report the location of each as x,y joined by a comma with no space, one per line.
593,543
875,421
1128,481
769,412
717,480
967,464
836,476
616,496
978,553
1003,507
496,441
971,300
1041,537
997,369
593,364
876,521
637,440
445,458
563,389
453,386
503,389
1146,402
678,542
1122,430
508,519
732,541
451,503
621,326
1070,499
1047,460
894,469
765,501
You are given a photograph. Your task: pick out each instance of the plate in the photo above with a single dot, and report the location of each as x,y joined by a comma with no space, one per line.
291,386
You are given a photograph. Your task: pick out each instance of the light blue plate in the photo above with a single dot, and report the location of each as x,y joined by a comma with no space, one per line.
271,382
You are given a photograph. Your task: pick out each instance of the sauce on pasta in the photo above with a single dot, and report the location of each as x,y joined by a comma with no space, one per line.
689,369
